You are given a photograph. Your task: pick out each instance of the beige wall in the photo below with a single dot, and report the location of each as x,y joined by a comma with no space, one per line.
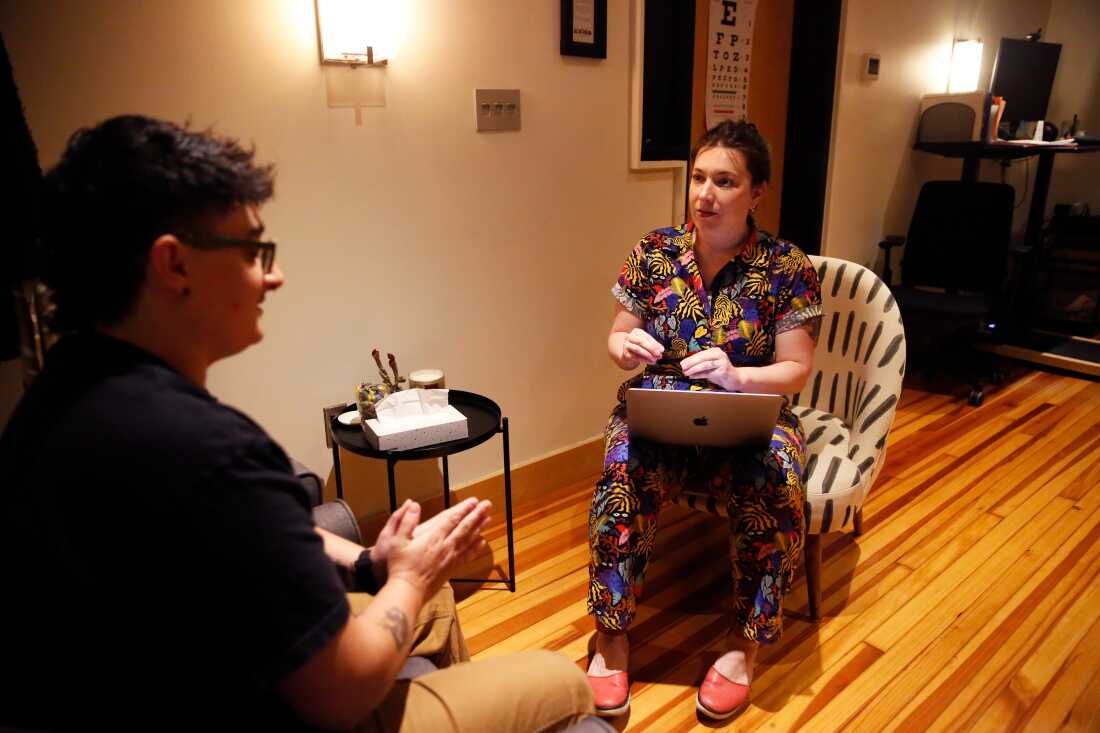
874,174
488,255
1075,24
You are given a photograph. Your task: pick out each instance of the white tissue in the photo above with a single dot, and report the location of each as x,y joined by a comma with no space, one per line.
414,418
410,403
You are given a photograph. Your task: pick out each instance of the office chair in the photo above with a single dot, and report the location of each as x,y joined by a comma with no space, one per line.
952,275
336,516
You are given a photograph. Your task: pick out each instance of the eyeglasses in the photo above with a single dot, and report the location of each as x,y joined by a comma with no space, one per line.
264,250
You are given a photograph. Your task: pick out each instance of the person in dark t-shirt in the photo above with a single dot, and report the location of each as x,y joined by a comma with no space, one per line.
159,562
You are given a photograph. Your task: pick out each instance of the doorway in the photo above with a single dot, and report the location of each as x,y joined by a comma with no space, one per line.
815,37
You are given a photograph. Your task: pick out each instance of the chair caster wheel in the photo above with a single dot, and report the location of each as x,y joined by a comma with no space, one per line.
975,399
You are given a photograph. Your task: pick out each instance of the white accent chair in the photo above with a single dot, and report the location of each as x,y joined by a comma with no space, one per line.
847,406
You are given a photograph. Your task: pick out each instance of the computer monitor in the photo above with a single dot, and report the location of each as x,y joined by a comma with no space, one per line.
1023,75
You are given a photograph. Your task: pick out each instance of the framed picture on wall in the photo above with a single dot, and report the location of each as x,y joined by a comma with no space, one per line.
584,28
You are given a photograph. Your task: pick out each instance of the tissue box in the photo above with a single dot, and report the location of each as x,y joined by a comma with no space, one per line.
416,431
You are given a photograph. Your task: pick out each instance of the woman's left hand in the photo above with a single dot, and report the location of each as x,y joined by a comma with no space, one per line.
713,365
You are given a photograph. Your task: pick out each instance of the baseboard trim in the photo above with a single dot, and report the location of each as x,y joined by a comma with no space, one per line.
1047,358
530,479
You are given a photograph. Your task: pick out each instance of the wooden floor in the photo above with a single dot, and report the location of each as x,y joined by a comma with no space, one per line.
970,602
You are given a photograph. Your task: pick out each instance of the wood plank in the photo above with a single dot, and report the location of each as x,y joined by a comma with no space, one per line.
1062,414
931,610
980,621
1030,689
880,613
783,686
971,601
1085,715
953,700
862,658
534,616
1056,470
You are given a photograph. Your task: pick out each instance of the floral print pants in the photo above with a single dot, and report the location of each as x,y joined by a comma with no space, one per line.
764,497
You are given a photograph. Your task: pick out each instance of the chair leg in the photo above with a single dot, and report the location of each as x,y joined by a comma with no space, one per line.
857,522
813,574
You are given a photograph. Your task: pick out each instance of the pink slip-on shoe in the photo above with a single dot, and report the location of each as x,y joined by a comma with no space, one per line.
611,693
720,697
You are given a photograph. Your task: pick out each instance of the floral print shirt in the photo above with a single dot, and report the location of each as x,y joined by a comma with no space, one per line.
769,288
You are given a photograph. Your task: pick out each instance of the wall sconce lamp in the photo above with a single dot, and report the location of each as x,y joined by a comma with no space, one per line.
350,31
966,64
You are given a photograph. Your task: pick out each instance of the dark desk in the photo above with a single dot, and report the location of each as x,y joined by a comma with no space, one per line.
1021,339
483,420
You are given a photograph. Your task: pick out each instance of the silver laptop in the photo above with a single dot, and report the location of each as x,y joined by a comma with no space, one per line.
722,419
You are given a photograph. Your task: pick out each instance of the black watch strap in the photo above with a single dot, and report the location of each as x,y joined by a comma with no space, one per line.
362,575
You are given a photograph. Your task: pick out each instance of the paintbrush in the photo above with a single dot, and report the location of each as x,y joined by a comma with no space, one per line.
382,370
396,374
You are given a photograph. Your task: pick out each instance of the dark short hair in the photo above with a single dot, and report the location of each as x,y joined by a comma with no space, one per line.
119,186
743,136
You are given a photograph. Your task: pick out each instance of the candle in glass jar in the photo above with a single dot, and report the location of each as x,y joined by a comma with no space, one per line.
427,379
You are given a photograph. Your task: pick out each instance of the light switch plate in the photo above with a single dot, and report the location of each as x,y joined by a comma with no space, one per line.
496,109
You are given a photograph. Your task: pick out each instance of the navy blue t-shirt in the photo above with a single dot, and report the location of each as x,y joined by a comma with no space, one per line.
158,559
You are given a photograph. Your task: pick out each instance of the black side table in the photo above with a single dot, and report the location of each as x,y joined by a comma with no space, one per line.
483,419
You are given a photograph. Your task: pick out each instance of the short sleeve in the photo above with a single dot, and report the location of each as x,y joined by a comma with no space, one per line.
634,288
279,596
799,300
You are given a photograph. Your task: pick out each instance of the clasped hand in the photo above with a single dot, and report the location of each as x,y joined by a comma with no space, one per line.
426,554
711,364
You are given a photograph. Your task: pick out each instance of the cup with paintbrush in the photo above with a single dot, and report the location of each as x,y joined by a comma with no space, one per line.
369,394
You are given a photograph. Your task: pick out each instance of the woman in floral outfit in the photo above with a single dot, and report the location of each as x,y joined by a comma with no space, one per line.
715,304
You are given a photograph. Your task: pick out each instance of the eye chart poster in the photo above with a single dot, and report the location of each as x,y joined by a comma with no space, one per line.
729,54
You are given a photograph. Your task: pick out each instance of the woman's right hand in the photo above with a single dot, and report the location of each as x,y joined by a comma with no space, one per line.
426,556
628,343
638,347
630,348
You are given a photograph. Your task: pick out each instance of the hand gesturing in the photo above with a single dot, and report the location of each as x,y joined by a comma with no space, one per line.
425,555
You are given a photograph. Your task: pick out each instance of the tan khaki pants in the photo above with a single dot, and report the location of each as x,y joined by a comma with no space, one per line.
527,692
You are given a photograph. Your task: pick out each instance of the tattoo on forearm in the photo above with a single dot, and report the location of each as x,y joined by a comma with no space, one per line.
398,626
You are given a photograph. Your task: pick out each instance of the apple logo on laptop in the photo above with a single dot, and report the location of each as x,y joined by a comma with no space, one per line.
701,421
